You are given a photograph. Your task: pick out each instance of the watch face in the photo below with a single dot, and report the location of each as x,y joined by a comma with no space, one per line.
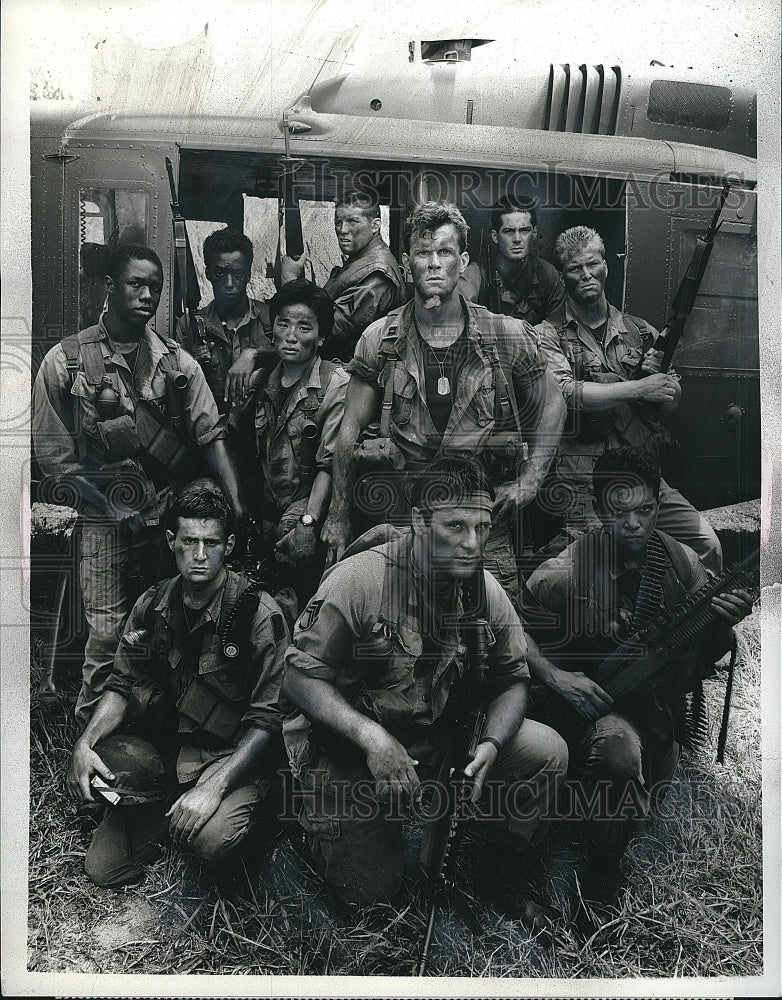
307,520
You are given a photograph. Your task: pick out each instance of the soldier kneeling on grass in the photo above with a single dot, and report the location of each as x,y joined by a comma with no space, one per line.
197,673
607,585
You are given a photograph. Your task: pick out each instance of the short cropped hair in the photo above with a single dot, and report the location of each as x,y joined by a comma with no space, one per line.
447,480
227,241
306,293
362,200
509,204
431,215
202,501
576,240
122,255
625,467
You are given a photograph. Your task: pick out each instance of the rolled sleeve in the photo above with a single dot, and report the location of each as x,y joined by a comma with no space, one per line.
331,412
53,431
528,365
269,638
366,363
134,652
508,653
559,366
328,631
204,421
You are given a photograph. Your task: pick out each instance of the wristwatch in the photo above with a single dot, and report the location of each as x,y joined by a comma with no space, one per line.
307,520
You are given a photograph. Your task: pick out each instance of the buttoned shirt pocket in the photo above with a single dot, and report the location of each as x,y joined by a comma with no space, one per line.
483,405
404,393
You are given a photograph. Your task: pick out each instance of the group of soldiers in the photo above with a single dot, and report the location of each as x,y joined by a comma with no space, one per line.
394,444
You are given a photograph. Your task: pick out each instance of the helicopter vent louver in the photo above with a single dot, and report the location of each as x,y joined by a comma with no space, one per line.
583,99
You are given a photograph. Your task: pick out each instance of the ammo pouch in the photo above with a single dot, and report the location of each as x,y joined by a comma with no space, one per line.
504,453
160,443
151,707
118,436
204,709
373,454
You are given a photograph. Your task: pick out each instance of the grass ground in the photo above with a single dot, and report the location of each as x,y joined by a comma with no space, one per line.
693,906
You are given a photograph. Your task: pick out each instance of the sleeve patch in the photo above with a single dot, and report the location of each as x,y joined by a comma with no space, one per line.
278,627
309,615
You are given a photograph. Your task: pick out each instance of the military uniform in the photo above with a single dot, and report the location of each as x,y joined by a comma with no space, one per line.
221,343
589,604
537,295
318,396
194,701
70,438
364,633
497,347
365,288
574,356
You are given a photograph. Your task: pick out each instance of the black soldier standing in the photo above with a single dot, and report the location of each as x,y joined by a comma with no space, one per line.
225,335
119,413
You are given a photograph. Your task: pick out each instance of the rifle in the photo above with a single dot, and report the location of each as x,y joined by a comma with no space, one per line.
185,300
445,834
687,291
288,211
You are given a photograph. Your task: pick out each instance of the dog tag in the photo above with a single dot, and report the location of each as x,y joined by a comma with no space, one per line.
443,386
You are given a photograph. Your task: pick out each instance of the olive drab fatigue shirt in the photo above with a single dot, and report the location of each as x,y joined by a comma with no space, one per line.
65,416
363,633
217,701
574,356
225,343
541,294
472,418
279,434
590,605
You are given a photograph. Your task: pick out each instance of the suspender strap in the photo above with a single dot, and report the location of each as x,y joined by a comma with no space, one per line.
388,393
91,355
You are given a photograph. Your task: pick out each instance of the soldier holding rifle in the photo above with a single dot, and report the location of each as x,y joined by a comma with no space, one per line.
226,335
120,414
297,409
445,376
606,586
596,353
375,660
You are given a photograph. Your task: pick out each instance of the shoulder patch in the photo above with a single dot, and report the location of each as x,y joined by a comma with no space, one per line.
309,615
278,626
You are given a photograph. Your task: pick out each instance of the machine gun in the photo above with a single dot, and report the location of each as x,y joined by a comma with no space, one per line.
445,834
687,291
647,652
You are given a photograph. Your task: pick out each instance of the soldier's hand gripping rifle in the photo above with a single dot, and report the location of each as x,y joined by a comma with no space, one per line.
468,721
687,291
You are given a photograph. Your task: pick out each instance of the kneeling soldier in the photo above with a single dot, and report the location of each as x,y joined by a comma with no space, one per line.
607,585
198,668
377,662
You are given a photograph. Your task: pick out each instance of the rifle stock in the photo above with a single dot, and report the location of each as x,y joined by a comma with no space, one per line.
184,261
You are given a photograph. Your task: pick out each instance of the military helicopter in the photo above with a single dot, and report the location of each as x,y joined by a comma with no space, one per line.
640,154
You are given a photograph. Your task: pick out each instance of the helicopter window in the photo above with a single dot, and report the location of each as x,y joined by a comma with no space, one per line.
108,217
